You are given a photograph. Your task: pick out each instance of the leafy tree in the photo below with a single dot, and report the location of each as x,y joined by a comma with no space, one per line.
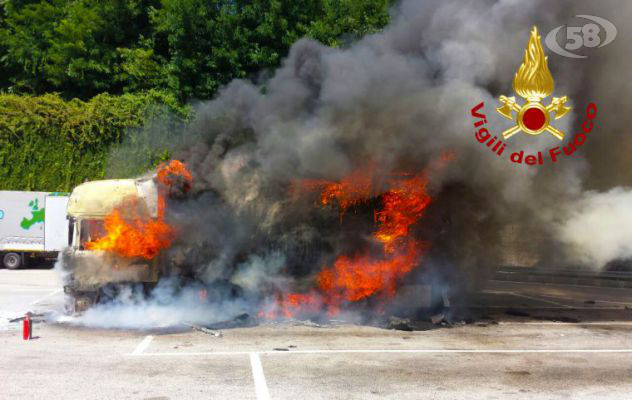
207,43
47,143
79,48
25,38
5,73
139,68
349,19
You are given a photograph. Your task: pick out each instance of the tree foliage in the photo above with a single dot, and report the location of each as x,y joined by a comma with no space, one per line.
80,48
344,20
80,80
77,47
50,144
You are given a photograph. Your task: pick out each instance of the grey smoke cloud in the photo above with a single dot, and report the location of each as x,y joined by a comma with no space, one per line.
399,98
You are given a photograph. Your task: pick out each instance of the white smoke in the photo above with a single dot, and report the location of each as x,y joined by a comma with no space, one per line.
163,309
598,228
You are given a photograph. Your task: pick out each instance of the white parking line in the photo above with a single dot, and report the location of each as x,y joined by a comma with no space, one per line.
261,387
540,300
386,351
142,345
528,297
15,289
54,292
623,303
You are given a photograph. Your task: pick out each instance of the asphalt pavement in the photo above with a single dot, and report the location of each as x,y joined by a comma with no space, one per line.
527,341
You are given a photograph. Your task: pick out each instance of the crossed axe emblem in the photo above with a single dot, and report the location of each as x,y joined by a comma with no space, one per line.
533,118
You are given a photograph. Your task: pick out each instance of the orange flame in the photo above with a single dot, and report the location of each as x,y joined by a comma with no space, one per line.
133,238
353,190
137,235
174,172
354,278
287,306
403,206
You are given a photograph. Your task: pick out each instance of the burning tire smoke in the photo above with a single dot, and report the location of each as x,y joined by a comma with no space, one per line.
353,171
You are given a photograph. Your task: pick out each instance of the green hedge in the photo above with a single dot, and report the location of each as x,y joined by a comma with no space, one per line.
49,144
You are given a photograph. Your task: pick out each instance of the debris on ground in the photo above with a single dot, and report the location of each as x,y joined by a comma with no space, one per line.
241,321
589,302
306,322
280,349
485,323
554,318
439,319
400,324
517,313
301,322
206,330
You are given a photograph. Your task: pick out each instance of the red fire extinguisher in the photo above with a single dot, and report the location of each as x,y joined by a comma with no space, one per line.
27,327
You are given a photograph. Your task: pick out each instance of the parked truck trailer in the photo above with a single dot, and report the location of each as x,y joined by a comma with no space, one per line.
32,225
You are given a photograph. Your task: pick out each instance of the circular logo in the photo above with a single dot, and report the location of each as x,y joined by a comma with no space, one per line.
533,118
1,214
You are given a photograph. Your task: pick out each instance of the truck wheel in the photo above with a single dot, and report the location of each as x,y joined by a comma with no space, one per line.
12,260
83,302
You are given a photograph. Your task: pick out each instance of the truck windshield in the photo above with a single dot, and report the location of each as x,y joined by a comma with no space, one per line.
91,230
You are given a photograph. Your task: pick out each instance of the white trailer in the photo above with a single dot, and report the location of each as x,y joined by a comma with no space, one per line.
32,224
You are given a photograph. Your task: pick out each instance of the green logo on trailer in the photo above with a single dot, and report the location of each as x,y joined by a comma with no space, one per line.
37,215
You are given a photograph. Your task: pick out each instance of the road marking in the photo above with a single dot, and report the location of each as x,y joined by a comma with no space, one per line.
540,299
562,298
527,297
54,292
142,345
19,289
261,387
386,351
553,284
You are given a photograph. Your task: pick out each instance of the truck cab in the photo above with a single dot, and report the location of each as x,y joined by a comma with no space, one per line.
92,274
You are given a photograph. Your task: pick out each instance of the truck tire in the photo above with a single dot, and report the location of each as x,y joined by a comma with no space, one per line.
12,260
83,301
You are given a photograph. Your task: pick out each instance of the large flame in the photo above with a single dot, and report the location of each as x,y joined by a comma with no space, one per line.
360,276
135,236
534,81
353,278
130,232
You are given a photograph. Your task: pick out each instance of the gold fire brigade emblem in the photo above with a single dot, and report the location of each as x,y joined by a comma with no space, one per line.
533,82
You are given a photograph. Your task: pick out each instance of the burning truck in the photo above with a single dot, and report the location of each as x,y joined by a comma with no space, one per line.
121,241
315,187
117,231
